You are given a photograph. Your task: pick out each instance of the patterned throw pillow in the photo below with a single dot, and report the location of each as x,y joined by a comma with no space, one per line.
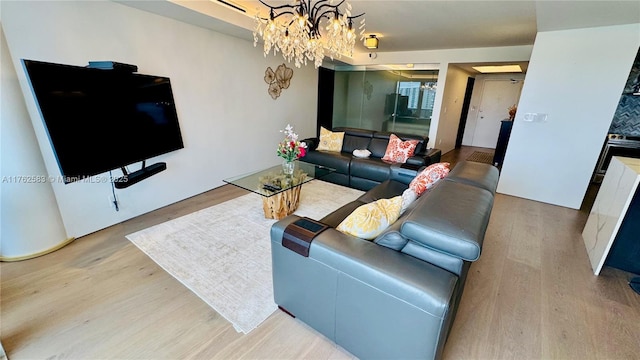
330,141
408,197
399,151
429,177
370,220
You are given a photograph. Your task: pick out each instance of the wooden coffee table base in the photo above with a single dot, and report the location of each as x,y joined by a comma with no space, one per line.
282,204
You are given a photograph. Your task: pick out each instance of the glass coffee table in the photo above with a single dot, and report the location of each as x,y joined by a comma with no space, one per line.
280,192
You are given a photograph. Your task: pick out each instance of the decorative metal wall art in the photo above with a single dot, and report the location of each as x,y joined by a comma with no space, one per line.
278,80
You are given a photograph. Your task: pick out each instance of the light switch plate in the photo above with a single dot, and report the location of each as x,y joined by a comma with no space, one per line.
535,117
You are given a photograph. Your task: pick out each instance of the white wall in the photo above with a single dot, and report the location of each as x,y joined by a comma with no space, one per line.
31,222
230,125
455,87
576,77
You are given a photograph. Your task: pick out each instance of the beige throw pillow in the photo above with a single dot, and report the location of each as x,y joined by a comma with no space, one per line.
330,141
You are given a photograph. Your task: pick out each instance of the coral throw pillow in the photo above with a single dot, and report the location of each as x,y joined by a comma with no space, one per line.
370,220
330,141
429,177
399,151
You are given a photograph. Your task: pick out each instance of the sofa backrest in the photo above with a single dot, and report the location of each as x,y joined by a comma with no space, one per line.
452,218
378,146
354,138
446,225
375,141
475,173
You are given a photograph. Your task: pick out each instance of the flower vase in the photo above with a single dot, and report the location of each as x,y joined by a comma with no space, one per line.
287,167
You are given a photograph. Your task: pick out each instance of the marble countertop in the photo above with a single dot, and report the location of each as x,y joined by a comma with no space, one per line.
632,163
616,192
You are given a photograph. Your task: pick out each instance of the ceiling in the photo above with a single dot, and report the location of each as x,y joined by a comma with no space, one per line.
424,25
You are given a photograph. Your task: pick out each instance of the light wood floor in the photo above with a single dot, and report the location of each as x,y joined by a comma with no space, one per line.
532,295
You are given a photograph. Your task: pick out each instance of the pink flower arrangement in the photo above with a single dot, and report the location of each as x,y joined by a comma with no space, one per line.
291,148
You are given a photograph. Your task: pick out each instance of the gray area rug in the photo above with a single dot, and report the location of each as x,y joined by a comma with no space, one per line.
223,253
480,156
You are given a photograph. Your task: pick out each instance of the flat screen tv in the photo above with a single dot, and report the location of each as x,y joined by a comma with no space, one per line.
99,120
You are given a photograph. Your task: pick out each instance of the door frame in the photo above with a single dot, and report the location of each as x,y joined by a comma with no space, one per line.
465,111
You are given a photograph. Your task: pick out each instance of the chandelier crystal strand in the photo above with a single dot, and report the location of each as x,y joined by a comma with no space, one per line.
294,30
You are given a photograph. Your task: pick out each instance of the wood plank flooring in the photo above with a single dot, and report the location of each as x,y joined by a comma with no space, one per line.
532,295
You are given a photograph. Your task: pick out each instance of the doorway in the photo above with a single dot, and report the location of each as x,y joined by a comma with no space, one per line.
489,108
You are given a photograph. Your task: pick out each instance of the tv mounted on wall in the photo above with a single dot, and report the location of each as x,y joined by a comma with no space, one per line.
98,120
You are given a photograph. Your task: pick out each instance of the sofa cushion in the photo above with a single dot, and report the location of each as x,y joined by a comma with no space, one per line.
355,139
338,161
362,184
351,143
399,151
330,141
385,190
378,147
335,218
429,177
443,260
369,168
369,220
337,178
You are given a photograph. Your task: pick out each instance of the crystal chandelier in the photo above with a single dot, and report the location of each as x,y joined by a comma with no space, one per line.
294,30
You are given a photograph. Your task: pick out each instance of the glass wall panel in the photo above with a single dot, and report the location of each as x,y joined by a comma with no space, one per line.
385,100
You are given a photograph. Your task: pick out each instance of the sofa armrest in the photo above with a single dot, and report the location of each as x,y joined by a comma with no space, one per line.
390,271
403,173
312,143
417,160
340,289
432,156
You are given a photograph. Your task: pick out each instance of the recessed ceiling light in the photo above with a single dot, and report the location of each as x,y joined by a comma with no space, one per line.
498,69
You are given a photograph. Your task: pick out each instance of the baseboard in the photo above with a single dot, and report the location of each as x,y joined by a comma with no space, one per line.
44,252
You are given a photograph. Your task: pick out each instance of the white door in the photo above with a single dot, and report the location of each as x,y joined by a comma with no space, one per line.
497,96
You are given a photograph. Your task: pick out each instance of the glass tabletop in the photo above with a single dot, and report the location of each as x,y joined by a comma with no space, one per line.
273,180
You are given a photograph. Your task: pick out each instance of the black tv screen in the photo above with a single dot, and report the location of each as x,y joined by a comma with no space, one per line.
99,120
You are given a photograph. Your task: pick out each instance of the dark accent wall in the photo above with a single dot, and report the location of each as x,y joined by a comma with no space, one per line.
626,120
465,111
326,80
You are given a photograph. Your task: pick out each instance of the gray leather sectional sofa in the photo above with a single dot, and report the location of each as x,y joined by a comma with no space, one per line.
395,297
366,173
